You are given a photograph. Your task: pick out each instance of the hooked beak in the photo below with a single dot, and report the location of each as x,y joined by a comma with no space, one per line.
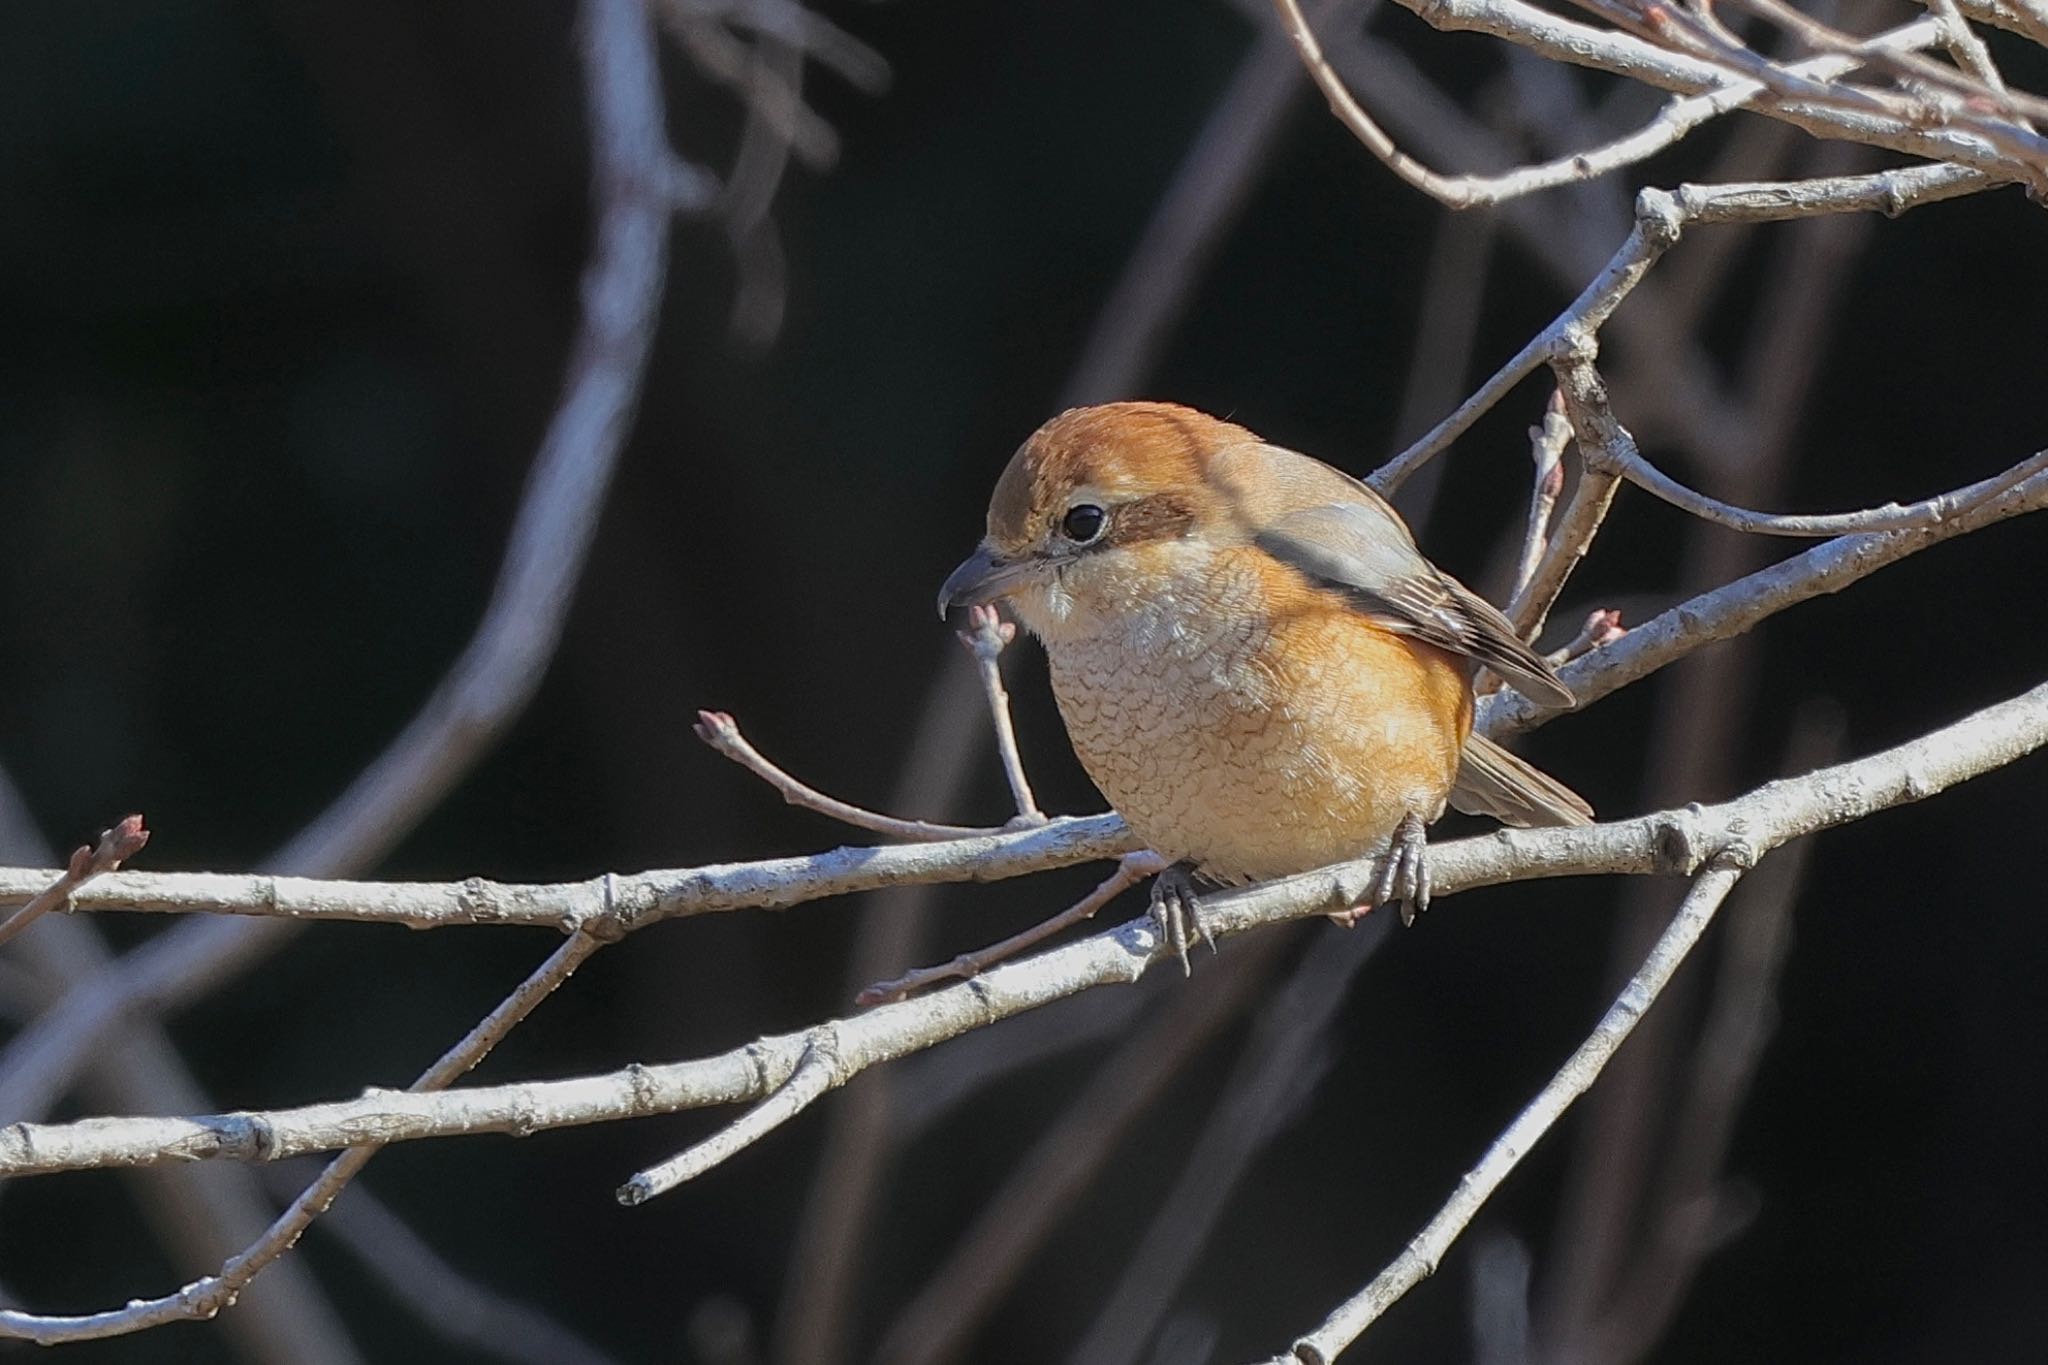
984,577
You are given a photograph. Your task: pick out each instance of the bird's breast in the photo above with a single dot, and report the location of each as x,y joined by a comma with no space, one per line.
1259,733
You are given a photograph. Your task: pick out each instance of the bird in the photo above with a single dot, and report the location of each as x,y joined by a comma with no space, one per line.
1253,660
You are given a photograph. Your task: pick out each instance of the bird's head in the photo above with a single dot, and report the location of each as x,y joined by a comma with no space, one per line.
1097,509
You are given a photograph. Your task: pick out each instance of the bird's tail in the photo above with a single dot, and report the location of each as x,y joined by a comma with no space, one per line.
1493,782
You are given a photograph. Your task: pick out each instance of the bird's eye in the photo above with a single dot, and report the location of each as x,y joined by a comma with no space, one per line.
1082,523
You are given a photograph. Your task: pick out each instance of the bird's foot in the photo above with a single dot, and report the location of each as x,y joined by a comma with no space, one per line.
1404,875
1178,916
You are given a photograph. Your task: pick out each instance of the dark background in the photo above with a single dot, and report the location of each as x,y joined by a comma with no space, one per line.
287,292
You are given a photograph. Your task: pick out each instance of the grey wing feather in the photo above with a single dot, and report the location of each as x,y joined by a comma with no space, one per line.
1494,783
1362,549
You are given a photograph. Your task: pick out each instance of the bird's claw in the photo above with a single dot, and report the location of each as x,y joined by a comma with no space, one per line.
1179,917
1404,875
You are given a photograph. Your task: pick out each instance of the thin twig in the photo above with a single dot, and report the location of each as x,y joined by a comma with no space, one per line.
1131,869
986,635
1656,230
720,731
1547,440
1602,627
115,846
1593,430
1937,95
818,1070
204,1298
1628,461
1422,1255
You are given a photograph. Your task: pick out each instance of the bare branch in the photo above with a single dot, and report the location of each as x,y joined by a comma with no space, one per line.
1735,607
2028,18
1679,117
1660,219
610,903
1579,44
1131,869
819,1069
1626,459
1419,1260
203,1216
1986,92
1591,497
204,1298
1966,47
1678,842
722,733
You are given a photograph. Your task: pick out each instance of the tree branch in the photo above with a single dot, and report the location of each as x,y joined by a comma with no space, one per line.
1660,218
614,902
1733,608
204,1298
1680,116
1678,842
1419,1260
1625,54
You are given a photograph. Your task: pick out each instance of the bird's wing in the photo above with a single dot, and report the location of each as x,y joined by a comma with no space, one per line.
1362,549
1493,782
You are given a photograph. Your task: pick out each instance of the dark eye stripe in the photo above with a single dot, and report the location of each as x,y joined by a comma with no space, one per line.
1162,516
